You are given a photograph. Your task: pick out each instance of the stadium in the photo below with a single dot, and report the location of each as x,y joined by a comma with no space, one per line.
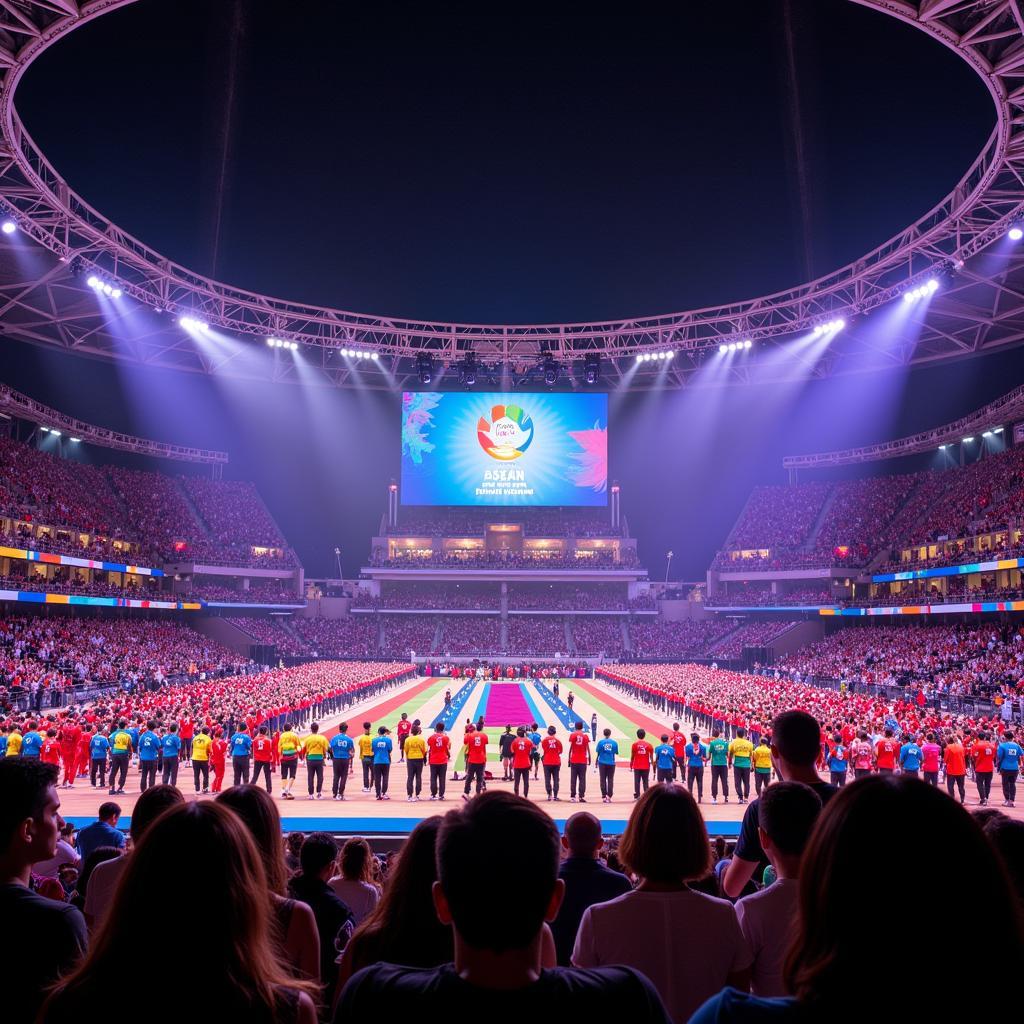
324,624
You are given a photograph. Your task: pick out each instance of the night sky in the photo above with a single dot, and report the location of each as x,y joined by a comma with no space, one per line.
507,163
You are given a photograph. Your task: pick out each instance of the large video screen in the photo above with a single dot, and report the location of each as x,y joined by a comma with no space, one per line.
504,449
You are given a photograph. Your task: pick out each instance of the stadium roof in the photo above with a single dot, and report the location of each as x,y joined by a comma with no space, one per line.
979,308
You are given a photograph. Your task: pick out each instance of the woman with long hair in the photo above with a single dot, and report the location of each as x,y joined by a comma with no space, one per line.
197,858
901,846
354,882
687,943
295,925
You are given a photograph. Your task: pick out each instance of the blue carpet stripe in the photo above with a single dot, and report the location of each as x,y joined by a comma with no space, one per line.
481,708
449,715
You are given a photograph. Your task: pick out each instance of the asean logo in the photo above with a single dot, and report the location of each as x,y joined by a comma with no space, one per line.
507,434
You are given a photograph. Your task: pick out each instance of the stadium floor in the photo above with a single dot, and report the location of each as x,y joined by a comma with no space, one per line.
424,699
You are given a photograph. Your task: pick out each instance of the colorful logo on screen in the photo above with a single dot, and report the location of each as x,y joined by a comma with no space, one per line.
507,434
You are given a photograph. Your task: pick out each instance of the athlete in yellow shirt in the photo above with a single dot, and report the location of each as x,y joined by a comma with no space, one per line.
740,751
415,749
201,742
315,749
762,758
365,745
14,743
288,745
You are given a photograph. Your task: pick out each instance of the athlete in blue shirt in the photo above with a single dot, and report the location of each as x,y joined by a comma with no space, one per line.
665,760
607,750
910,756
381,763
31,743
696,754
342,751
838,761
170,749
1008,755
240,746
149,753
98,747
535,738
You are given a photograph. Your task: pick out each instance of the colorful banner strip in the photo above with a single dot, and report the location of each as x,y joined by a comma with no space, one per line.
81,563
948,570
41,597
931,609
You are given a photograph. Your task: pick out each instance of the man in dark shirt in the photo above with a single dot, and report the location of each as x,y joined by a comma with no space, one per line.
103,832
317,860
587,880
796,743
498,954
47,936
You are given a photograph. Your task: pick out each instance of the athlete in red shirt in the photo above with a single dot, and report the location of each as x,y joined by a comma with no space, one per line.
70,739
678,741
522,748
50,753
476,758
218,758
954,757
983,753
551,758
262,756
640,763
402,730
886,752
439,749
579,758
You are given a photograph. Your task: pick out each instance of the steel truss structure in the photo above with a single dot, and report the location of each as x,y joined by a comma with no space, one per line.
996,416
979,309
14,403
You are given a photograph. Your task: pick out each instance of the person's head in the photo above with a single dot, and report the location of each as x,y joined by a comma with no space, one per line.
666,839
263,730
478,866
259,814
521,731
551,730
866,842
641,733
343,728
150,806
796,742
30,820
226,879
439,727
508,728
318,855
582,836
173,727
533,726
837,738
1008,736
355,860
314,727
366,728
404,927
715,733
741,732
607,733
122,723
109,812
888,734
579,726
382,730
786,813
404,716
294,842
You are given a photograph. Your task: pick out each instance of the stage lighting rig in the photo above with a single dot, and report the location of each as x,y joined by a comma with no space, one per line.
592,368
467,370
425,367
549,368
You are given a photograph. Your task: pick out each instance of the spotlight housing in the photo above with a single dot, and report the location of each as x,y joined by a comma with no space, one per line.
467,371
592,368
8,227
425,367
550,368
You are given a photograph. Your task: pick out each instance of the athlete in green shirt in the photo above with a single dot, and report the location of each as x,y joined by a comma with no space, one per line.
719,751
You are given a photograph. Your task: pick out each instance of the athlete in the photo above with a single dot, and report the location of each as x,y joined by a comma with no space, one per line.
954,759
170,749
201,744
288,745
262,756
402,732
70,737
365,744
718,750
120,753
439,752
343,749
1008,755
98,747
696,754
415,758
740,750
607,750
762,761
505,741
241,754
861,755
665,760
678,740
931,755
476,759
886,752
218,760
522,751
382,747
640,763
579,758
551,756
314,751
838,760
983,755
534,737
910,756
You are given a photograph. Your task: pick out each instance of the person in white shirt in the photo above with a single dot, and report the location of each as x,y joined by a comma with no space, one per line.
689,945
787,812
353,886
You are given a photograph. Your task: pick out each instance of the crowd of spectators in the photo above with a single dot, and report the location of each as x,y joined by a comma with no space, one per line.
355,636
752,595
687,638
266,629
94,546
270,592
779,516
473,558
401,634
59,651
937,660
470,634
536,634
234,512
597,636
434,595
567,597
750,634
73,581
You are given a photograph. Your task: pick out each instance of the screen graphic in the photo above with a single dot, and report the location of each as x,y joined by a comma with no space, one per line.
504,449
